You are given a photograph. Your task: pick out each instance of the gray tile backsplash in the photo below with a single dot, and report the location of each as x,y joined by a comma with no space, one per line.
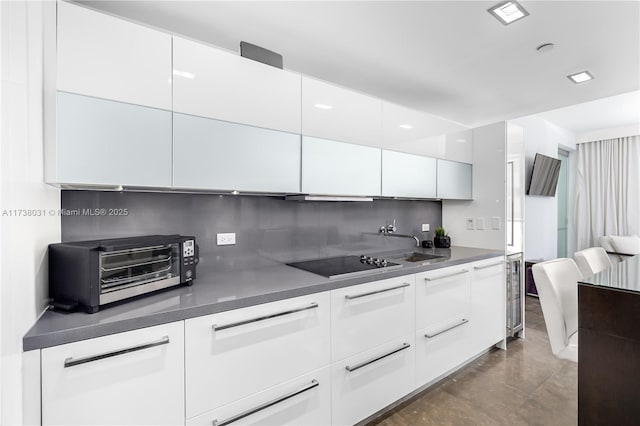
268,229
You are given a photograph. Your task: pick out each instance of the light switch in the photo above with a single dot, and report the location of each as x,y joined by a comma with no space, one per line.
470,224
495,222
425,227
227,239
480,223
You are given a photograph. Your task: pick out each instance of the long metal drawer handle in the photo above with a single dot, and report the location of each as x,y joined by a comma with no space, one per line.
70,362
314,383
450,327
356,296
378,358
463,271
490,265
216,327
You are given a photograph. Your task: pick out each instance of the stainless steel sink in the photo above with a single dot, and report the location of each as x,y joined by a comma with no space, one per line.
420,257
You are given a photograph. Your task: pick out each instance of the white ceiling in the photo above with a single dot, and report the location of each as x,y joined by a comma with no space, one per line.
614,111
449,58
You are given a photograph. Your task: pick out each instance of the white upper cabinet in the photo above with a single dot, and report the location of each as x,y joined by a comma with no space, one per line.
337,168
213,83
332,112
454,180
106,57
458,146
213,154
408,175
416,132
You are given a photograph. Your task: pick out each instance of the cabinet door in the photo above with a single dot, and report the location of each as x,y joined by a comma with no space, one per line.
129,378
458,146
234,354
368,315
415,132
488,302
454,180
337,168
111,143
213,83
212,154
332,112
371,380
110,58
305,400
407,175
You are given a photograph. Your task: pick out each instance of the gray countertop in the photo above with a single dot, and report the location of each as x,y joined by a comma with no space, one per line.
216,291
624,276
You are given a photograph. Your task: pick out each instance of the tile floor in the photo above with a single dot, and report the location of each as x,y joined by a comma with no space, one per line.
526,385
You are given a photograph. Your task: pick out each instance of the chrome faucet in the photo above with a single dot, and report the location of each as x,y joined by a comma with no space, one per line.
390,230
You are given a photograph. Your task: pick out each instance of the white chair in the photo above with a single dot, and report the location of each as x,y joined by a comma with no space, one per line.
592,260
557,284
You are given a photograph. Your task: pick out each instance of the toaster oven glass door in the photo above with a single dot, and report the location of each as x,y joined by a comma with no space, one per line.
128,273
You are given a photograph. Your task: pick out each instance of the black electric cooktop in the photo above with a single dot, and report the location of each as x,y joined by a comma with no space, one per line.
342,266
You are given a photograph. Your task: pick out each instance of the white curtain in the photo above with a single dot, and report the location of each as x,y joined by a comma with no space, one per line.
608,190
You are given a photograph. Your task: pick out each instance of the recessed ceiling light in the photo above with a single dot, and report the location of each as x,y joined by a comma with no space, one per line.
580,77
508,11
460,140
184,74
323,106
406,126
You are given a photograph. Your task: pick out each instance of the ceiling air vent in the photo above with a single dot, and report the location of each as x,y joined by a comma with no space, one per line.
260,54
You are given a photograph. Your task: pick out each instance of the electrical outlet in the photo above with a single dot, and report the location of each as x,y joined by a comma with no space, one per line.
480,223
425,227
470,224
227,239
495,222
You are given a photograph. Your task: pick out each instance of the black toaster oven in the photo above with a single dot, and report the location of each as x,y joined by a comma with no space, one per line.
90,274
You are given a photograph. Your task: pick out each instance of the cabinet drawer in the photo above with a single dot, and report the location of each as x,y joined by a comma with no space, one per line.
438,350
305,400
234,354
488,308
442,296
371,314
129,378
371,380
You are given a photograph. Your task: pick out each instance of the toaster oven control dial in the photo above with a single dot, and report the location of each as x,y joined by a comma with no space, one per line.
188,248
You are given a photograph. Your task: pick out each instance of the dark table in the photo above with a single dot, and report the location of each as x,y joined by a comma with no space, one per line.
609,346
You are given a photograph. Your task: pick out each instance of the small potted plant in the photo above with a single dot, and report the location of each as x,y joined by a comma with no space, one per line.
441,240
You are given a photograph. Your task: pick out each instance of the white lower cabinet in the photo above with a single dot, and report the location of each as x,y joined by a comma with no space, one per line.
369,381
488,309
136,377
367,315
334,357
438,350
305,400
237,353
443,337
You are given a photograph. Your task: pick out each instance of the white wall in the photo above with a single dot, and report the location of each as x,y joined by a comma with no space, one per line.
541,213
23,266
489,157
609,133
